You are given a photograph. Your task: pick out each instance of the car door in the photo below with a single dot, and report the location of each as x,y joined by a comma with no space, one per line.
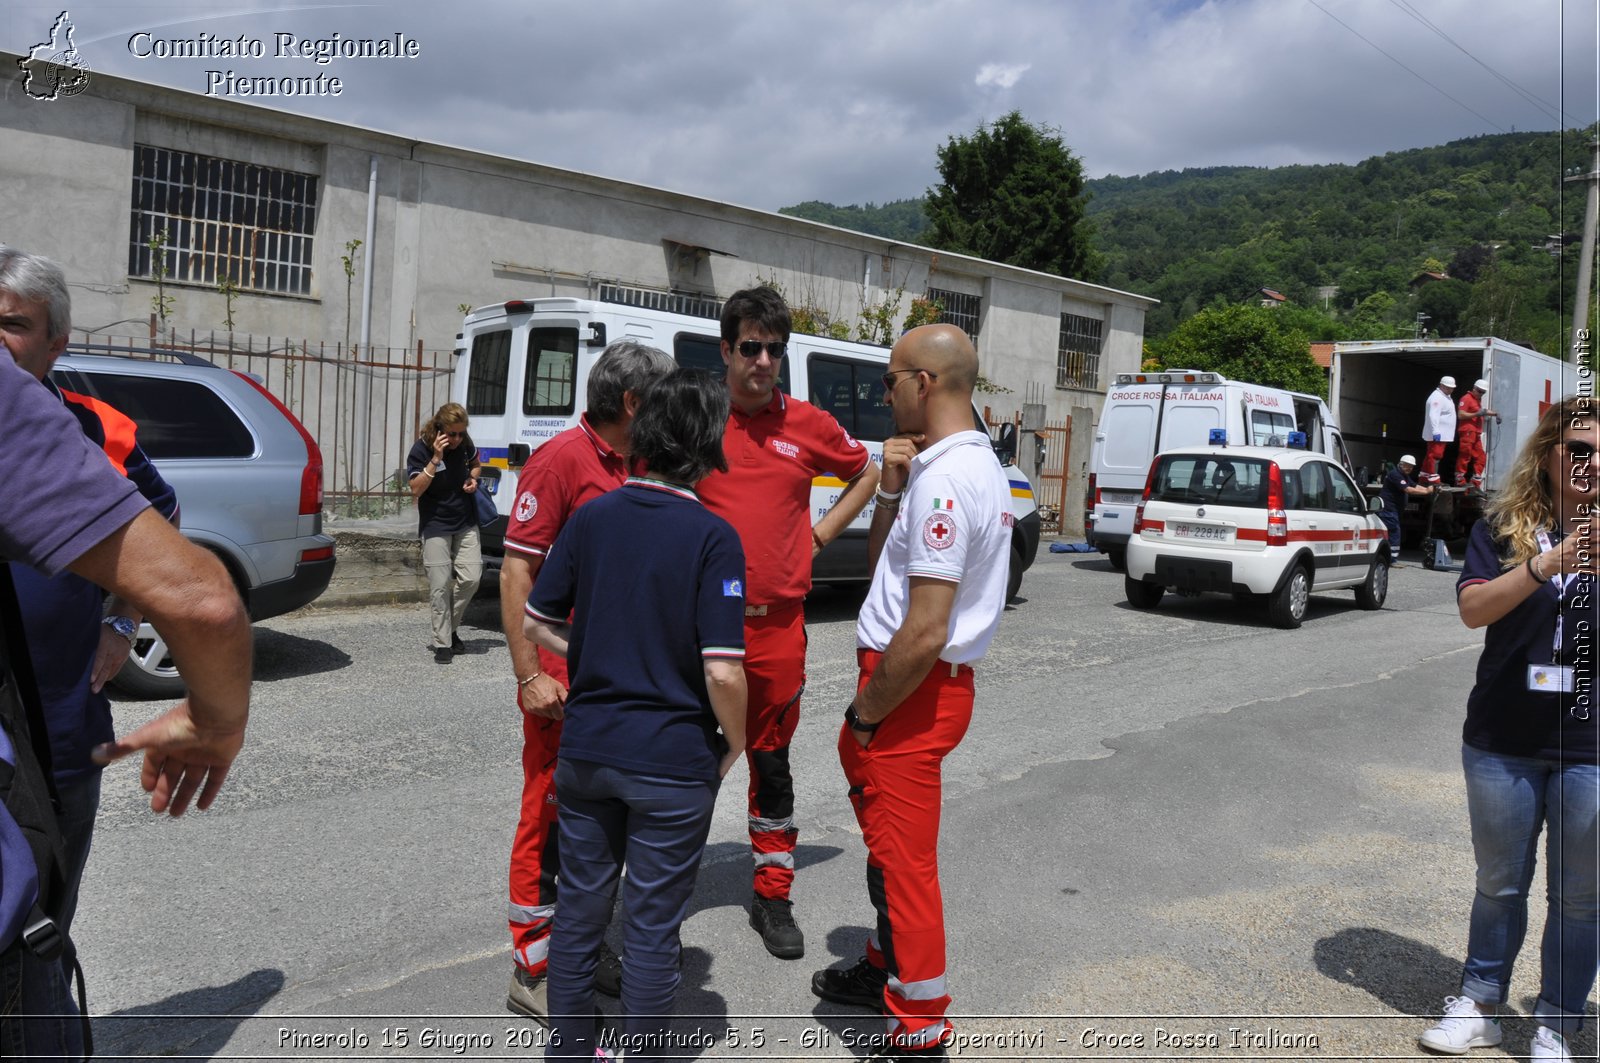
1313,521
1360,539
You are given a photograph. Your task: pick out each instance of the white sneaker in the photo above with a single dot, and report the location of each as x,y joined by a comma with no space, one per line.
1463,1027
1547,1044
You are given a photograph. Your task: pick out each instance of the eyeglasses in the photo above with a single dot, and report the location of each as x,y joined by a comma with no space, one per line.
889,377
753,348
1578,449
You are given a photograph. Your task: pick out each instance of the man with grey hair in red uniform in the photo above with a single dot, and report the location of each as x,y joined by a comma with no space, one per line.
940,544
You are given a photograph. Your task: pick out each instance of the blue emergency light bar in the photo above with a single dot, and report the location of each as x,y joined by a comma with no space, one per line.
1297,440
1218,437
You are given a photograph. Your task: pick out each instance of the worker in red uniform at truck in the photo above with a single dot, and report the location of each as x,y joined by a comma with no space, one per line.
775,445
1470,457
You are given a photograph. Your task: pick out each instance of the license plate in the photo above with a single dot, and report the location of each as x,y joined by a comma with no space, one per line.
1122,498
1211,533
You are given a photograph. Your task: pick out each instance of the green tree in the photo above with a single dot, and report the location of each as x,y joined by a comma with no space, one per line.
1444,302
1244,343
1013,192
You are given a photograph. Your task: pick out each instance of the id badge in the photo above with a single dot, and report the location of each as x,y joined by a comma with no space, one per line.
1550,678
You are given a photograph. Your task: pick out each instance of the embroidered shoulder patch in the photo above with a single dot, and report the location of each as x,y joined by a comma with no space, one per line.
527,506
939,531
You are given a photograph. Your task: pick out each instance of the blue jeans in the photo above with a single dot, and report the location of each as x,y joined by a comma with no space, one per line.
1509,800
657,825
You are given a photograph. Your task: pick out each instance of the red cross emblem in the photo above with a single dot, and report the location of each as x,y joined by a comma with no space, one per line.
939,531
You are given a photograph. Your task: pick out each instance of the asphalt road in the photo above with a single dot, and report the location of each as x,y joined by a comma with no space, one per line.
1179,834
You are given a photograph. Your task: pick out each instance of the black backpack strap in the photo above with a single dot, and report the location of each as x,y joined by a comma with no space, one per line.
30,795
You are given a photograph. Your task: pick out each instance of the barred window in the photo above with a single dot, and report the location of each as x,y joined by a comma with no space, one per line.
251,225
959,309
1078,356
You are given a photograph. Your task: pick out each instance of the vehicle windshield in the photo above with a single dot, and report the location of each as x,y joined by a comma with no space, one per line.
1218,479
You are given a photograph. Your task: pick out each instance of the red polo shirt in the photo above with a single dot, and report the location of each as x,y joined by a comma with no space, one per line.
562,475
773,454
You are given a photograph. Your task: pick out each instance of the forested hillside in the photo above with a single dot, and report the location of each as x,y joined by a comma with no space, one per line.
1352,243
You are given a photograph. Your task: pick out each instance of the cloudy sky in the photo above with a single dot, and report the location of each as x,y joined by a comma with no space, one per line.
767,104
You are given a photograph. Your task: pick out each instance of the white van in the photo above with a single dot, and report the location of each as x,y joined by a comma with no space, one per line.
1147,413
522,372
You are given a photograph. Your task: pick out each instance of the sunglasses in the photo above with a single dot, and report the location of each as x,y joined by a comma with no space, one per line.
889,377
1578,449
753,348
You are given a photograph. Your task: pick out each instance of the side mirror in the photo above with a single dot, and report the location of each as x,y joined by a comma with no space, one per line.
1374,505
1005,443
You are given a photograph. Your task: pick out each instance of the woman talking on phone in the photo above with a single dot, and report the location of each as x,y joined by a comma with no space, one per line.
1529,746
442,470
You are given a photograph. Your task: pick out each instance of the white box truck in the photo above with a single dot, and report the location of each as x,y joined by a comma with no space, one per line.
1377,392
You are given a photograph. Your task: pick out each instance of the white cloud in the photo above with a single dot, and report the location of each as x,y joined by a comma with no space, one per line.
1004,75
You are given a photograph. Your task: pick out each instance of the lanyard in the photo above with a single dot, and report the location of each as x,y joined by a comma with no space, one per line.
1560,584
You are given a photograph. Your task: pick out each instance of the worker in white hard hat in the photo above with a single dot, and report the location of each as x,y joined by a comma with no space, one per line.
1398,483
1438,428
1470,456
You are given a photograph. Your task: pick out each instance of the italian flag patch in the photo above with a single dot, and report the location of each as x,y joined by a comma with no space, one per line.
941,505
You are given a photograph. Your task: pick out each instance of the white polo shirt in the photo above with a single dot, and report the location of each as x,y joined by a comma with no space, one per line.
954,523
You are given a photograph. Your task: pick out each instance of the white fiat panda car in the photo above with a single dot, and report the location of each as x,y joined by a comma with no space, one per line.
1265,524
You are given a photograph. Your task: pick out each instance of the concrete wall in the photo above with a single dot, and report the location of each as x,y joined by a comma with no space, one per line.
456,227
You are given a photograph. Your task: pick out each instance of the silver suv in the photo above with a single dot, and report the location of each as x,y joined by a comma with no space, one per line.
248,477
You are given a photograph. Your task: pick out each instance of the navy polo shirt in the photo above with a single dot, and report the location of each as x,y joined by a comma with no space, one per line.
1395,483
654,583
1503,715
444,508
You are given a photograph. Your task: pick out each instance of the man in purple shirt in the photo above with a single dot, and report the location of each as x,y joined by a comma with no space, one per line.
68,508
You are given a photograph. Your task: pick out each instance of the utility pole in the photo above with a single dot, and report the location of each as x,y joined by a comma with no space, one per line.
1591,213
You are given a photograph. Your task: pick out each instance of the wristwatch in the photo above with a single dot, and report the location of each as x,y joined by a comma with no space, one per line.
123,626
857,723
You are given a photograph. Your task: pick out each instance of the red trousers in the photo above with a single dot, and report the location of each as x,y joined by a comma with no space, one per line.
534,857
1431,456
775,675
895,785
1469,453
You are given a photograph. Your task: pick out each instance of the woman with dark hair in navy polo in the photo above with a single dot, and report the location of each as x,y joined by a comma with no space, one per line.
654,583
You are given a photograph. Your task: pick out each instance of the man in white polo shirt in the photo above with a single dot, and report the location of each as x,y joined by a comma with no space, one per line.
940,545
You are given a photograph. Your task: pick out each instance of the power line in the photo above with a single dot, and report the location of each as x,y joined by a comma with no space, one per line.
1544,105
1402,66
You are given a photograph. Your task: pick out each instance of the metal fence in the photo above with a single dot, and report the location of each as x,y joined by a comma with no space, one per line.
363,406
1047,471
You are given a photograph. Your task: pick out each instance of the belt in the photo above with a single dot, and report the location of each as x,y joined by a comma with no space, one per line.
772,609
869,659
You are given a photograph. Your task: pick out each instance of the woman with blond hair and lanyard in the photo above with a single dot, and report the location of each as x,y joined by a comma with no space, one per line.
1529,748
442,471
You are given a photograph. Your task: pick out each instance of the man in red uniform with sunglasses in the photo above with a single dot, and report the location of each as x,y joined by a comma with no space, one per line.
776,445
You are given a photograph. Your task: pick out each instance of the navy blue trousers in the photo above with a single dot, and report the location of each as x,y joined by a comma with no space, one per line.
657,825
